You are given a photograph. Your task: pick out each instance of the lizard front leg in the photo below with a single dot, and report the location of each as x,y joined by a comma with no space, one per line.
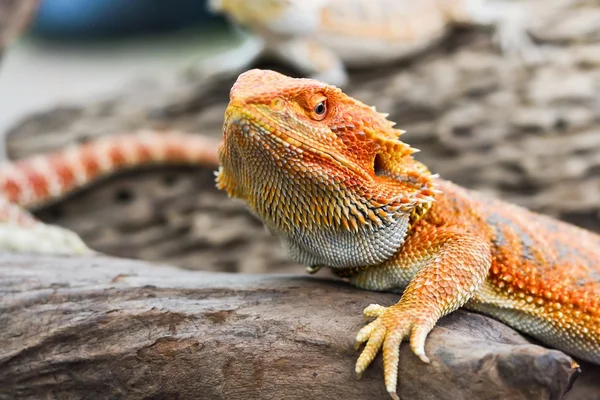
234,61
311,59
448,266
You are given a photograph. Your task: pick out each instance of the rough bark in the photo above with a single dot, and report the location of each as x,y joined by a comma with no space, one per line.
100,327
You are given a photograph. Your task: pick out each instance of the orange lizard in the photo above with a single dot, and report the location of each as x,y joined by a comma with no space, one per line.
330,176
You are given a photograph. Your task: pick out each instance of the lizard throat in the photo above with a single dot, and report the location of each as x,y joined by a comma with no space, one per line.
416,215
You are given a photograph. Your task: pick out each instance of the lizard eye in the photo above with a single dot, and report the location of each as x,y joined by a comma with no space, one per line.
319,111
320,108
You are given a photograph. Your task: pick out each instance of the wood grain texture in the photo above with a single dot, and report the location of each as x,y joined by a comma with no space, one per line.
100,327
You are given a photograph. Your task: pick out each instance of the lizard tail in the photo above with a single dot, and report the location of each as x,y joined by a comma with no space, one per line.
42,178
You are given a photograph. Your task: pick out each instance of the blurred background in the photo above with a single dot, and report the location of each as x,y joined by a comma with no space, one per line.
528,133
75,50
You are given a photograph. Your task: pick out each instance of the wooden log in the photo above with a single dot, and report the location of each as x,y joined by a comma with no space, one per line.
101,327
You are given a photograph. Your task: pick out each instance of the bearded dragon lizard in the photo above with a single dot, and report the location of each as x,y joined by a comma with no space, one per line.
330,176
322,37
31,182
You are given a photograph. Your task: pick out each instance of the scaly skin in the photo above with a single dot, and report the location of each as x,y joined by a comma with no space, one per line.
321,38
331,177
34,181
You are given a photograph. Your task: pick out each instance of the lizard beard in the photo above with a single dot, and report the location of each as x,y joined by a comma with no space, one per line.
366,246
301,215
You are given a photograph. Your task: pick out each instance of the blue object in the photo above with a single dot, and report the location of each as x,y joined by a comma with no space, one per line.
102,18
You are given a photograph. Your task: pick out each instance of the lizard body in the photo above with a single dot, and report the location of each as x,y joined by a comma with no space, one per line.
322,37
330,176
31,182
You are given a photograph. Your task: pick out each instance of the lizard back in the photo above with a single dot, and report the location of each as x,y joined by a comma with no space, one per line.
545,274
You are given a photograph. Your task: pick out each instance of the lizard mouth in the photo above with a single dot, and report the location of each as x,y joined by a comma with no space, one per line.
255,125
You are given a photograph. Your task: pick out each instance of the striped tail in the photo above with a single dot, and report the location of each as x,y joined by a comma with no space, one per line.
34,181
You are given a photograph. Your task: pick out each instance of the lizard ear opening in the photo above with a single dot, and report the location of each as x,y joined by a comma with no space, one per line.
378,165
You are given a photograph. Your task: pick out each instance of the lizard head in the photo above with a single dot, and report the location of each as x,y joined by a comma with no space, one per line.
322,170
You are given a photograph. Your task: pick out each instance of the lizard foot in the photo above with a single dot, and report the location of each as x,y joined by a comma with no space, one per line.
391,326
313,269
40,238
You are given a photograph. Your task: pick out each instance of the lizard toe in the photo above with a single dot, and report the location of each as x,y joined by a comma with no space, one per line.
417,341
391,359
365,333
375,340
393,325
373,311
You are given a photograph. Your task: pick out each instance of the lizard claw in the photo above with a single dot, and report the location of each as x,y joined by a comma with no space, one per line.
393,325
417,341
313,269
